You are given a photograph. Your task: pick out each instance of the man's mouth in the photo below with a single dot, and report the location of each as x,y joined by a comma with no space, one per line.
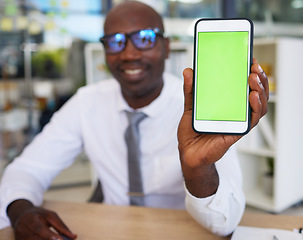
133,71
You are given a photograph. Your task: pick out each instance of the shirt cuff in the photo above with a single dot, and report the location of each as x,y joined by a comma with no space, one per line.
221,212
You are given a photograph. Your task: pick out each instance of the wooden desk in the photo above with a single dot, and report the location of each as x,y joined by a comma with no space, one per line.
93,221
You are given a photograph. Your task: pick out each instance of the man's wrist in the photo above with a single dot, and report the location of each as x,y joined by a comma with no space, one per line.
16,208
202,182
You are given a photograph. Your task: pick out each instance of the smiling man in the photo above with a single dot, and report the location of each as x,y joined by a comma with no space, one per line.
198,172
138,67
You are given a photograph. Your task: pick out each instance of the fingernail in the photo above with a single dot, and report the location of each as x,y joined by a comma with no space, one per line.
55,238
260,69
259,98
259,81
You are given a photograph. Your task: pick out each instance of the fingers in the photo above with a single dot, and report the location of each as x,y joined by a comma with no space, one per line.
34,229
40,224
188,89
259,95
256,68
256,108
59,225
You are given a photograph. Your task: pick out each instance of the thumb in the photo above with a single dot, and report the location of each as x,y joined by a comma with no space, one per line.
188,89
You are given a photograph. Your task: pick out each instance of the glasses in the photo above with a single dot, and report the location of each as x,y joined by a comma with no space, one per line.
142,39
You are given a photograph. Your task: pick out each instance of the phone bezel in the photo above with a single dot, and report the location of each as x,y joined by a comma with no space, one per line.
221,25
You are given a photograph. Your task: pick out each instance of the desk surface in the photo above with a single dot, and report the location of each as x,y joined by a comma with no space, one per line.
91,221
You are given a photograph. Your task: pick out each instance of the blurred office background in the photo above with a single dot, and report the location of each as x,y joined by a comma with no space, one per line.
49,48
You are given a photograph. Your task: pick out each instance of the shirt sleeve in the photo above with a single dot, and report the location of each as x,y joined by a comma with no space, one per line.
52,150
221,212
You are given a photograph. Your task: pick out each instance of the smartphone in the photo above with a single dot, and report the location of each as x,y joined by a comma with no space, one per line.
222,62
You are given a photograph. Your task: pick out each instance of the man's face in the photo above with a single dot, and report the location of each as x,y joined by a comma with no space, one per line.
139,72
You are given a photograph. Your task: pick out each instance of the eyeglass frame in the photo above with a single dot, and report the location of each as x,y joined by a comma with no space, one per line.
157,31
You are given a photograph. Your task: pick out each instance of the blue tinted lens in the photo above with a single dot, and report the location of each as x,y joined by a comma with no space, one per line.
144,39
115,43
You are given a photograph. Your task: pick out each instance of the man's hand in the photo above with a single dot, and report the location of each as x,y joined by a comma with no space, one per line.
33,223
199,152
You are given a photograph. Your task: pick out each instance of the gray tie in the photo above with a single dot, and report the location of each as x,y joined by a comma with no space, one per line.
132,139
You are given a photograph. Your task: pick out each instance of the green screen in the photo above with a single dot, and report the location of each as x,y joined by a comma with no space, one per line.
222,76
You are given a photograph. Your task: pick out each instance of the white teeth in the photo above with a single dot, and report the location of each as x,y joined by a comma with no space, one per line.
133,71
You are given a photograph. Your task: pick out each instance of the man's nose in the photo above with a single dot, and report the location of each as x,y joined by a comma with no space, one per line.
130,51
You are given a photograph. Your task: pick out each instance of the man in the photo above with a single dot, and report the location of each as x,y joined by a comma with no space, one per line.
96,118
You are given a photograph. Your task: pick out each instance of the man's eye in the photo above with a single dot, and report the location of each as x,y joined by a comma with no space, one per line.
144,39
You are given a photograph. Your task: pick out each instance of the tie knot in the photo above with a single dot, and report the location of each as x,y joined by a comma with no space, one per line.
134,118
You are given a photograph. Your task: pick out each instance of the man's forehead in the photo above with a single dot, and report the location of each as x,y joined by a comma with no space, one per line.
131,18
127,25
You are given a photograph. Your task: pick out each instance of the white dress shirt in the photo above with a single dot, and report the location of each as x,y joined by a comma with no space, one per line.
94,120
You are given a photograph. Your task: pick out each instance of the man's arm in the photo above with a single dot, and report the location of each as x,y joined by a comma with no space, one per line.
30,222
200,152
222,211
31,173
